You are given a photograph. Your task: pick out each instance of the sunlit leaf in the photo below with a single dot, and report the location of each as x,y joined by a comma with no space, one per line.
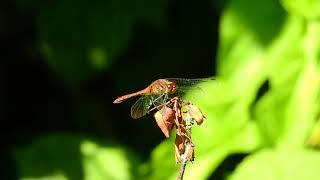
278,164
260,43
309,9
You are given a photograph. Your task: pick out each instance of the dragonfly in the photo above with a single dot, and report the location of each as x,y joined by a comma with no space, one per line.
158,93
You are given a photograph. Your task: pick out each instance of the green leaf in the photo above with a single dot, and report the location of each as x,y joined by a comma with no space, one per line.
239,120
278,164
104,162
226,130
299,119
308,9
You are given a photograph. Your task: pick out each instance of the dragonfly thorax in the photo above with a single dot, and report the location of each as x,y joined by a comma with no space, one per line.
163,86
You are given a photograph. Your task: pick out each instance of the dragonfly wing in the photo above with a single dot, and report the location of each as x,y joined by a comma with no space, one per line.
159,100
141,107
182,82
187,84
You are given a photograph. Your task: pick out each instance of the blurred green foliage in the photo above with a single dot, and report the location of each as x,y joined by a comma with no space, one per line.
265,104
66,156
82,38
261,43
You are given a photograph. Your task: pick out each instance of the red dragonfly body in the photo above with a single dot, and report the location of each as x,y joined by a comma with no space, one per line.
158,87
157,94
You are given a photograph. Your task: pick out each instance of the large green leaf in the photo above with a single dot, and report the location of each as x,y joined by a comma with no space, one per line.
309,9
279,164
227,130
259,44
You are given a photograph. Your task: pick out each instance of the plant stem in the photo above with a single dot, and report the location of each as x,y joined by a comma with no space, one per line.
182,167
189,145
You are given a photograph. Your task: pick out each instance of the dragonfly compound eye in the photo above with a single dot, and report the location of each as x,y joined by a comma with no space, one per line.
171,87
174,87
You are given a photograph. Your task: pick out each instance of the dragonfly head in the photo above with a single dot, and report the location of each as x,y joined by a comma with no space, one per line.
172,87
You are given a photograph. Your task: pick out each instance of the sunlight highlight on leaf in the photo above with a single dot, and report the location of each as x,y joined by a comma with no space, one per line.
104,162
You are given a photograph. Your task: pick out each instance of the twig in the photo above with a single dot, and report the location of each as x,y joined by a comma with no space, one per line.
183,145
189,147
184,160
182,167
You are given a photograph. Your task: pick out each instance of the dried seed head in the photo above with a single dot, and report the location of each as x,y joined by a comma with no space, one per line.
165,118
179,147
195,113
180,144
190,152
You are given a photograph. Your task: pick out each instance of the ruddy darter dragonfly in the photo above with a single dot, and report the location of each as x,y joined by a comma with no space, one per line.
158,93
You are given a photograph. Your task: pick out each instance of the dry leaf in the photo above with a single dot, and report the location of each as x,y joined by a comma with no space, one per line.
195,113
179,147
164,119
179,143
177,155
190,153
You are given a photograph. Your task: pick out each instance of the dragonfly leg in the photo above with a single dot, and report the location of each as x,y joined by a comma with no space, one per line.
153,103
155,100
160,105
163,104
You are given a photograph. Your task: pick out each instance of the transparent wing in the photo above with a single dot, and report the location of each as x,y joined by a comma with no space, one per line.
182,82
184,85
141,107
159,100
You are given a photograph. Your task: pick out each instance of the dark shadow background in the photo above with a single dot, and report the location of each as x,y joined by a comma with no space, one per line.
39,101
